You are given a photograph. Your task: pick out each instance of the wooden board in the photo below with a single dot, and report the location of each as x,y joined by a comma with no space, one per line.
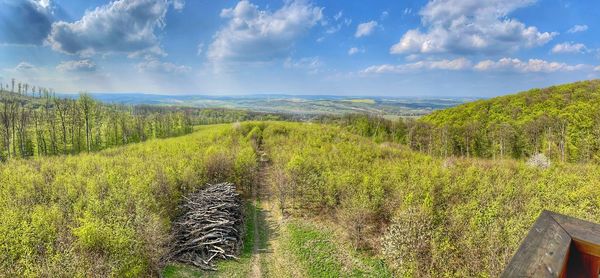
543,253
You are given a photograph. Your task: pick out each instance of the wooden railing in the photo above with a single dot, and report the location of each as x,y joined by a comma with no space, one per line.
558,246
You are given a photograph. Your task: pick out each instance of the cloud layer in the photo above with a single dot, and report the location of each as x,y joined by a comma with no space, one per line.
569,47
157,66
456,64
461,64
121,26
252,35
532,65
85,65
470,26
578,28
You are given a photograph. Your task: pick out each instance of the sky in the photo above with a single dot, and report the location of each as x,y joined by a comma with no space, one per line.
436,48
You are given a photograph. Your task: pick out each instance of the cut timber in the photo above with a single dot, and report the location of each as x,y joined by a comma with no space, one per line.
558,246
210,228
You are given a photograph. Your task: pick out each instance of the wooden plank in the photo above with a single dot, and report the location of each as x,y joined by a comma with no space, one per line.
543,253
585,234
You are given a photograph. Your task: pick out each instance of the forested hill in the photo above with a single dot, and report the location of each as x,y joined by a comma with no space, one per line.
562,122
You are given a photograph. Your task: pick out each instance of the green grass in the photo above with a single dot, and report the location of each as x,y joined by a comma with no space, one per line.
322,255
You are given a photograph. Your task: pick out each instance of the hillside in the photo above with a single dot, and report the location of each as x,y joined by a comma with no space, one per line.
331,204
562,122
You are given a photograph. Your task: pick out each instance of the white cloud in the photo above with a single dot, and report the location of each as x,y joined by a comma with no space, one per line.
178,5
569,47
407,11
597,68
121,26
470,26
311,64
339,22
157,66
43,3
200,49
504,64
578,28
24,67
355,50
365,29
85,65
384,15
338,16
253,35
456,64
532,65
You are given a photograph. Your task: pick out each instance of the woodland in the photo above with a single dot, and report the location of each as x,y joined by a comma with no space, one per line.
93,189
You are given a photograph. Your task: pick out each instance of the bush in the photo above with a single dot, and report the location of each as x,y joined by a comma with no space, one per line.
539,160
407,245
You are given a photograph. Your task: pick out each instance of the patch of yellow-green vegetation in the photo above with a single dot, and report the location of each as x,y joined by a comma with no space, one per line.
109,213
323,255
177,270
362,100
425,215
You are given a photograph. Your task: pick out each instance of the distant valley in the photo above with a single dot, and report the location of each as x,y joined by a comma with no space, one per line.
389,107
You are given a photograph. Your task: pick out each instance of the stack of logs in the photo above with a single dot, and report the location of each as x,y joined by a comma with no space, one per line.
210,228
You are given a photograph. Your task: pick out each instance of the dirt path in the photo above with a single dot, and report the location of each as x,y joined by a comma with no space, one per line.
258,223
256,271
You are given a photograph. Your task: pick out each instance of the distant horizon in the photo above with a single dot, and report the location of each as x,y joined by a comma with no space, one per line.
341,96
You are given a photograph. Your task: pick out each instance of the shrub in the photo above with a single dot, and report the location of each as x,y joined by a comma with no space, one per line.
539,160
407,244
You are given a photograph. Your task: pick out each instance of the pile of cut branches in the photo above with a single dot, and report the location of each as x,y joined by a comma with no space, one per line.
210,228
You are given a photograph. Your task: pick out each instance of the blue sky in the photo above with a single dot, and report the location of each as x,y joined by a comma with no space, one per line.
395,48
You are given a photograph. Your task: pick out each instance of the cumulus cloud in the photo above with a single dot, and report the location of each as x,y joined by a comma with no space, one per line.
157,66
532,65
569,47
355,50
470,26
25,21
577,29
253,35
85,65
125,26
365,29
456,64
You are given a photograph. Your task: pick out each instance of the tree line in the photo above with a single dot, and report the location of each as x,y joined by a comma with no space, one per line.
34,121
